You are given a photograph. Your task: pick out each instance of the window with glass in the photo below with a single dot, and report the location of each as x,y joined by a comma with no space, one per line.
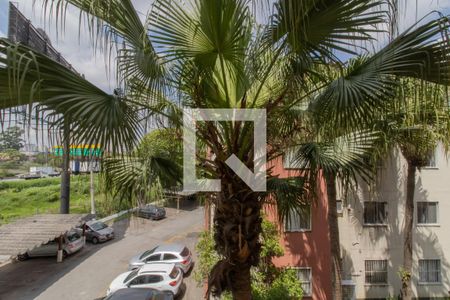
427,212
168,256
375,213
376,272
339,205
304,277
429,271
431,162
290,160
299,219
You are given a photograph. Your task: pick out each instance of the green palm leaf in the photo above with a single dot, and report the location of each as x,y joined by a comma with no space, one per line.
369,82
28,78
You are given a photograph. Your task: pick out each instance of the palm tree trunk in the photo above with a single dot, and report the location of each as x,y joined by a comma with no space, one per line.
408,234
333,227
237,226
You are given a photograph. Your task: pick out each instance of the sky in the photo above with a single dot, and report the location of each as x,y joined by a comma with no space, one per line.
80,53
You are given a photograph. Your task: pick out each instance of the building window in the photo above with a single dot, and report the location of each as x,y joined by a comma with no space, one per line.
348,290
339,204
290,160
304,277
375,213
429,271
427,213
376,271
299,220
431,162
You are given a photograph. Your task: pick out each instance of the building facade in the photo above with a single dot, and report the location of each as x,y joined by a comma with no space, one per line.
371,220
306,241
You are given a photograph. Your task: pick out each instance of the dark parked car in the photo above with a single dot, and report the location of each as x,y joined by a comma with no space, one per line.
152,212
97,231
139,294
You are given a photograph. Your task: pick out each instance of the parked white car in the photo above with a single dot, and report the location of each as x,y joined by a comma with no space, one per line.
168,253
161,277
72,242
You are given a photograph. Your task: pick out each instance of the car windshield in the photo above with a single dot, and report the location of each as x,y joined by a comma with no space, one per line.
147,253
131,275
72,236
185,252
174,273
98,226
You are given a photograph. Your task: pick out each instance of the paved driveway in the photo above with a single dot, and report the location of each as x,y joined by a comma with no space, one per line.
88,273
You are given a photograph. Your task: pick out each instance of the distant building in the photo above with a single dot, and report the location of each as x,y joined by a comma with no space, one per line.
370,224
371,227
306,239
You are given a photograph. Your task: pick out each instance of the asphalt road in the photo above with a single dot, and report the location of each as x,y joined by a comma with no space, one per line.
88,273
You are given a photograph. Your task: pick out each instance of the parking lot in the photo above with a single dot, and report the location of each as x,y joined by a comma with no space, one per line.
88,273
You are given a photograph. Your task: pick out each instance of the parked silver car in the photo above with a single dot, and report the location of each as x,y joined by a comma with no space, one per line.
97,231
152,212
161,277
72,242
139,294
168,253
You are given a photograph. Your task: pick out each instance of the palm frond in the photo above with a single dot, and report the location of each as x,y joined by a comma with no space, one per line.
345,156
30,78
208,38
132,177
369,82
115,24
317,28
288,195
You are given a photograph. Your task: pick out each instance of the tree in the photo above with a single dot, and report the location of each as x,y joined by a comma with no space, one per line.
153,165
11,139
213,54
344,158
268,282
416,124
163,142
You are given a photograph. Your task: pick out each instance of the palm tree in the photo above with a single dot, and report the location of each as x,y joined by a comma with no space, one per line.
344,158
213,54
156,161
416,124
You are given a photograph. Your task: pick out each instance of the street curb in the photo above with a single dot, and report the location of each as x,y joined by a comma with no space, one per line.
4,260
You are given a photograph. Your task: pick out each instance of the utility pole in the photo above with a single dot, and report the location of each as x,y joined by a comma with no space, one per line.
92,188
65,175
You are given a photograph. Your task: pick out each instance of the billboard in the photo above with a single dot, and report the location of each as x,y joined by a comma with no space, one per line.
80,151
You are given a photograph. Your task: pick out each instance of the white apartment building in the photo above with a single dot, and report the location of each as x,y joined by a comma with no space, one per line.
371,221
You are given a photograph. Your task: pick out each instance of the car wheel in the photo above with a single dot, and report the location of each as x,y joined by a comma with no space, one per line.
94,240
65,254
22,257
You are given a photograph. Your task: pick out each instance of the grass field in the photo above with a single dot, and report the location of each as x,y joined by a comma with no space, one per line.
28,197
13,168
